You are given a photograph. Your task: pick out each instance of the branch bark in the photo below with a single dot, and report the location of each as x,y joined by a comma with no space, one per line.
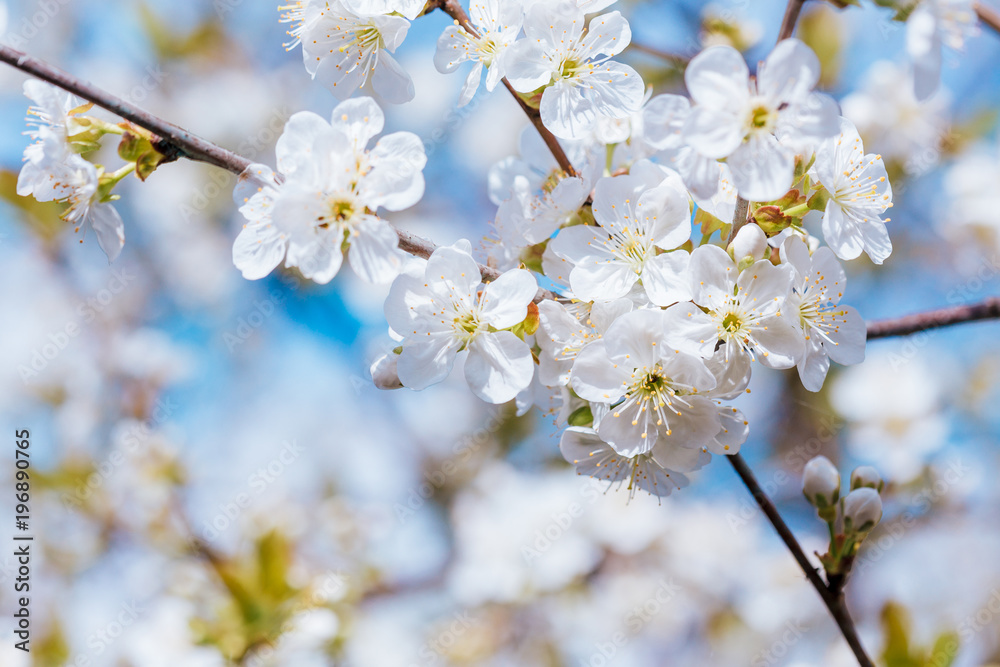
989,16
834,600
176,142
454,9
791,17
935,319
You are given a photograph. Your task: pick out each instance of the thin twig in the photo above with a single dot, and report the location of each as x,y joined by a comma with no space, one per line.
739,217
989,16
672,58
183,142
935,319
791,18
454,9
834,601
177,142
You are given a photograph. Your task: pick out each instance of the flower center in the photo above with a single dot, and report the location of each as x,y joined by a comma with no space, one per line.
732,323
762,118
466,327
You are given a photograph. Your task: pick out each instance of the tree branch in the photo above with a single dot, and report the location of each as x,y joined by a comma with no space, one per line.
834,600
935,319
182,142
989,16
454,9
674,59
791,18
176,142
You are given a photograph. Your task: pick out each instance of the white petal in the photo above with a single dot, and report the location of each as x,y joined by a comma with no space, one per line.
666,279
718,77
426,360
762,168
505,300
391,81
374,253
499,366
789,73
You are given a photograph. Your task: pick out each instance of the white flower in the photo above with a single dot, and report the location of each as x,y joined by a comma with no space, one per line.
651,388
409,8
51,123
862,510
663,120
932,24
638,213
821,482
737,119
750,242
859,193
745,310
592,456
831,331
536,172
330,191
383,371
440,311
344,51
573,64
565,330
76,181
538,216
498,23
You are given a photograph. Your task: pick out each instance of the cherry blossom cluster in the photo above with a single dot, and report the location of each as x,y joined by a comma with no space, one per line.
653,329
55,169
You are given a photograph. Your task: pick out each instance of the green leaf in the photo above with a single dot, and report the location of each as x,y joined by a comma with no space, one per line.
582,416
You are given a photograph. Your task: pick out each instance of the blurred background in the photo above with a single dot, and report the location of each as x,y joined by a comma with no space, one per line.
217,481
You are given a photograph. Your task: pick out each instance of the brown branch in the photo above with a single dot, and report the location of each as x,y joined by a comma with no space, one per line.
672,58
791,18
834,600
740,216
454,9
935,319
989,16
176,142
183,143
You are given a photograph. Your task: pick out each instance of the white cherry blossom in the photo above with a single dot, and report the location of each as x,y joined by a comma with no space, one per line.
439,310
860,193
638,214
344,51
498,23
327,194
652,389
738,119
746,310
409,8
573,64
592,456
831,331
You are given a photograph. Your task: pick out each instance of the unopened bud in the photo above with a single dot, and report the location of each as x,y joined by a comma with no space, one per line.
750,241
862,510
866,477
384,373
821,482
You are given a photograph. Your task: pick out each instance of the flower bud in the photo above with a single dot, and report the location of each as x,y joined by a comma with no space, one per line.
862,510
750,241
383,372
821,482
866,476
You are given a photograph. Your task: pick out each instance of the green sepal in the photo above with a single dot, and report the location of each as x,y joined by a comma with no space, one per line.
582,416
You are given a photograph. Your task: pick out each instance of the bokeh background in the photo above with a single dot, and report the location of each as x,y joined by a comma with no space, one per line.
218,482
